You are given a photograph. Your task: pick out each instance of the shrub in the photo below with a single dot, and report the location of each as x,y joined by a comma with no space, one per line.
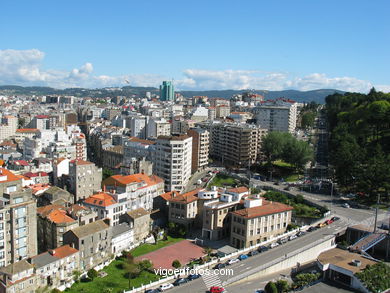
270,288
92,274
176,264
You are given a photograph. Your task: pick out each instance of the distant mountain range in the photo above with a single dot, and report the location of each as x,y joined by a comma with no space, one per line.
299,96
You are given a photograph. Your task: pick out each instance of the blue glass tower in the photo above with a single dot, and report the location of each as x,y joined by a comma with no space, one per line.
167,92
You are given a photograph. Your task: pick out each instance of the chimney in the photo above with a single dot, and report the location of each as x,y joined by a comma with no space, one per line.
104,188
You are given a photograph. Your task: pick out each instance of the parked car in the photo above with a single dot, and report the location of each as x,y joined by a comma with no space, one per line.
219,266
242,257
346,205
152,291
216,289
193,277
321,225
166,286
328,222
253,252
274,244
300,233
312,228
384,227
180,281
292,237
233,261
263,248
283,240
335,218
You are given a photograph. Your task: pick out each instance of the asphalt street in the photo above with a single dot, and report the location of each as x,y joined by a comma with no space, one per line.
349,216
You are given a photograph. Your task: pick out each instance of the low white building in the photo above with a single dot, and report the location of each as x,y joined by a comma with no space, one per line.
122,238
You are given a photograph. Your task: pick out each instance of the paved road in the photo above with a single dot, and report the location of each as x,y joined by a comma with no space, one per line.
266,257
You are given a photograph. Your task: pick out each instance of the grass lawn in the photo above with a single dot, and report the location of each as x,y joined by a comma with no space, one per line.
146,248
280,163
115,280
292,178
221,180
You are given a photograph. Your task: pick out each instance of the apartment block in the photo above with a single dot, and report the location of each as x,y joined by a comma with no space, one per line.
277,115
259,221
133,191
18,238
93,242
52,222
183,208
200,148
18,277
235,144
216,213
8,126
54,268
84,179
172,159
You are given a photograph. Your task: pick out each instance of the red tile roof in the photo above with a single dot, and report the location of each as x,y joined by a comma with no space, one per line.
37,174
10,176
27,130
100,199
59,216
268,208
63,251
185,197
120,180
240,189
80,162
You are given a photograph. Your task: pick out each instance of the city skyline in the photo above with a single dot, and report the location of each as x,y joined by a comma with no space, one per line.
200,45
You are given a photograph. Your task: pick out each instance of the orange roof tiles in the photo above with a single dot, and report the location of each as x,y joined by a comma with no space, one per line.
59,216
135,178
185,197
63,251
267,209
10,176
80,162
100,199
240,189
27,130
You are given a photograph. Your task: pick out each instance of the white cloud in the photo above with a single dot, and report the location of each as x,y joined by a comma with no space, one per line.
24,67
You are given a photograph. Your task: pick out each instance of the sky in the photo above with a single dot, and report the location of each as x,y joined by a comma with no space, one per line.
200,45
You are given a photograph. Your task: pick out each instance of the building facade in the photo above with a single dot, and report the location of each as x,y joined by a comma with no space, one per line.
172,159
200,148
84,179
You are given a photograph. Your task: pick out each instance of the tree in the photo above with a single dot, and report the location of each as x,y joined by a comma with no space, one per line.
55,290
92,274
307,119
282,286
107,173
176,264
145,265
207,250
132,270
270,288
76,275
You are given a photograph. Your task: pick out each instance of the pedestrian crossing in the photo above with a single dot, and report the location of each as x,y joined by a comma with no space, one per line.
211,280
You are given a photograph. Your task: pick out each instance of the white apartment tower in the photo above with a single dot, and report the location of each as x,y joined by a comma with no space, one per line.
277,115
172,160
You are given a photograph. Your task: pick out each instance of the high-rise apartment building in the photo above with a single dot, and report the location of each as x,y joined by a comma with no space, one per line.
235,144
167,91
84,179
18,223
277,115
200,148
172,158
8,126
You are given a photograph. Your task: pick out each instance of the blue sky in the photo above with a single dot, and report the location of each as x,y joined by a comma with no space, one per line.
200,44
